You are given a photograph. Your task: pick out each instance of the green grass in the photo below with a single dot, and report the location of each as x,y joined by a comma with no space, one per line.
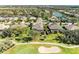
70,50
51,38
33,49
24,49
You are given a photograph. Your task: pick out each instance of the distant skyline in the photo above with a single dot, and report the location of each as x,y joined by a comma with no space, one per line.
49,6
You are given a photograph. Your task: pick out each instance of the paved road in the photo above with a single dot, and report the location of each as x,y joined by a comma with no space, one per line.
58,44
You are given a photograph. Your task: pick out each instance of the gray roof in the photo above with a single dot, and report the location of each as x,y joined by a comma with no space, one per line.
38,25
71,27
55,27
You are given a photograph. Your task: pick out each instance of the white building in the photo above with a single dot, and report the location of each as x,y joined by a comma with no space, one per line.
32,18
3,26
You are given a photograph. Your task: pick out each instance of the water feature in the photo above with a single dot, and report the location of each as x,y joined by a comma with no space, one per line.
59,15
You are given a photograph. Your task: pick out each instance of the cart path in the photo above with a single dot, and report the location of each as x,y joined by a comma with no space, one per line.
57,44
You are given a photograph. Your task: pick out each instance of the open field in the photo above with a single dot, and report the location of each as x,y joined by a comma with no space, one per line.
33,49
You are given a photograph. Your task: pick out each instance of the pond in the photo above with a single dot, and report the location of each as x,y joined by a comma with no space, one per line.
59,15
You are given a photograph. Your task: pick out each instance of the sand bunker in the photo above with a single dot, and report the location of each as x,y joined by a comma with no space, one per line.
53,49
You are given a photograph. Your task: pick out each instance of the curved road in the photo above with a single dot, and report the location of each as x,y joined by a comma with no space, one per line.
58,44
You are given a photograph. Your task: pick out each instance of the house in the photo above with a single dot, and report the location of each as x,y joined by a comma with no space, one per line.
2,18
55,27
18,25
3,27
38,25
33,18
71,27
22,17
54,18
16,18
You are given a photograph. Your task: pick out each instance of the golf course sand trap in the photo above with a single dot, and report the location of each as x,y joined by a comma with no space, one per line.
53,49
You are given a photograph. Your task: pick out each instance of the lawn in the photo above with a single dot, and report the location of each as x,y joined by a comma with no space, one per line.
70,50
49,38
33,49
24,49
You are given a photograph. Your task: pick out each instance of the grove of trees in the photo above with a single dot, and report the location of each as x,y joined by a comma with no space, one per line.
69,37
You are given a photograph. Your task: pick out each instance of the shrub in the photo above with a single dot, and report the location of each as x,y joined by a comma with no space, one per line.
6,33
27,39
42,39
23,39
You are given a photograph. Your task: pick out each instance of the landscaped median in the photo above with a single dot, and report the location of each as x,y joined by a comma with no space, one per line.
41,47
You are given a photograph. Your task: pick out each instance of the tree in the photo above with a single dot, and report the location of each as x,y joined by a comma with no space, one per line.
47,29
6,33
27,39
69,37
